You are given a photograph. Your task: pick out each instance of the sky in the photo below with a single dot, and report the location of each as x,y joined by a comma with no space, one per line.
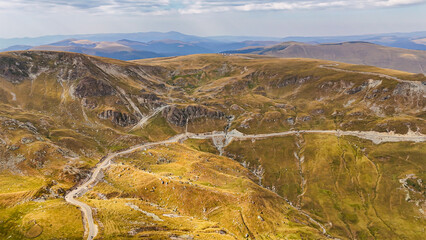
275,18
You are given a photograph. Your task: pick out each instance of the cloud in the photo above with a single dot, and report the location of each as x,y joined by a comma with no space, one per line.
255,5
91,6
163,7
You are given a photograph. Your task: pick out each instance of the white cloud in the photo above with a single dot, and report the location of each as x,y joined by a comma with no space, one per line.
163,7
219,6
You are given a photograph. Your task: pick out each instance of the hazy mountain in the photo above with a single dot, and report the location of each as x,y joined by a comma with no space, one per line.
141,37
16,48
224,46
102,49
402,40
125,49
348,52
167,46
243,38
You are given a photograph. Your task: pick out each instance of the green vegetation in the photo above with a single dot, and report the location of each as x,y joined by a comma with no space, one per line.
157,129
52,136
177,180
41,220
202,145
350,182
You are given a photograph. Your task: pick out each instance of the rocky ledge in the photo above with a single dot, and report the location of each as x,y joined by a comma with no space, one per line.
91,87
118,118
179,116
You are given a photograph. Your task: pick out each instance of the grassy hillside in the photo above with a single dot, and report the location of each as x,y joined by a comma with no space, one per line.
351,184
60,113
270,94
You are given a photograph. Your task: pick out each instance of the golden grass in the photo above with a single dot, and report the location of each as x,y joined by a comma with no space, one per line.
350,182
16,183
119,220
55,218
202,185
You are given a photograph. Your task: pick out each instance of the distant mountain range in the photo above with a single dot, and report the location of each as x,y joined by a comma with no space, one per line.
412,40
103,49
169,43
125,49
349,52
401,51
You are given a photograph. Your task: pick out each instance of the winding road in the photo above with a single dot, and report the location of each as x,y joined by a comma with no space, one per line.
95,177
105,162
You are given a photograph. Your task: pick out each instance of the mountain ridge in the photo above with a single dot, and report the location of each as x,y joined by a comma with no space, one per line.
355,52
402,40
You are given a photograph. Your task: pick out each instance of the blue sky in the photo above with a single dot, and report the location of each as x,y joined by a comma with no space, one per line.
279,18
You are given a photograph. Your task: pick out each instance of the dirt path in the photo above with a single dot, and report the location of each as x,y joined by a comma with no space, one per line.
129,100
145,119
331,67
13,96
376,137
95,177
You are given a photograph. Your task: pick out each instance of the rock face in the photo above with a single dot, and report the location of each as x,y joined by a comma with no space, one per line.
75,173
355,90
179,117
289,80
15,67
91,87
118,118
147,97
149,100
410,89
89,103
13,70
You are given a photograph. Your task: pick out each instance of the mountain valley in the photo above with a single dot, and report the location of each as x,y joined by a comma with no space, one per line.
209,146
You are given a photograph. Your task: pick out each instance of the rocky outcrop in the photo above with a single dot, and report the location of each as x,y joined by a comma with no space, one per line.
306,118
317,111
10,161
12,124
89,103
118,118
40,158
289,80
355,90
91,87
179,116
146,97
408,95
19,66
410,89
13,70
75,173
149,100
